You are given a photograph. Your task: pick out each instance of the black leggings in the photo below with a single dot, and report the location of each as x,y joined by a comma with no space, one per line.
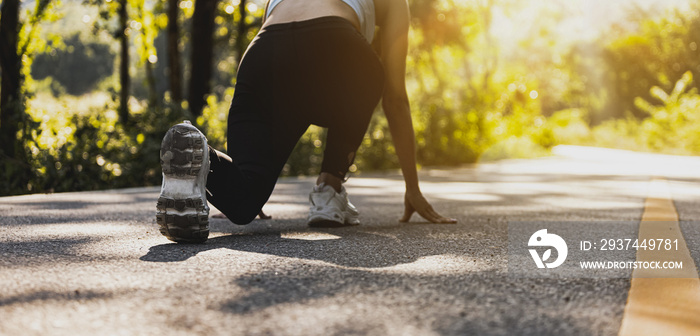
320,71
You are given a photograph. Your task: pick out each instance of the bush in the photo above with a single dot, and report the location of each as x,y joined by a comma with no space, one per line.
81,145
77,67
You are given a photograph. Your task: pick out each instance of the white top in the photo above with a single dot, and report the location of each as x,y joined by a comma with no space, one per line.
363,8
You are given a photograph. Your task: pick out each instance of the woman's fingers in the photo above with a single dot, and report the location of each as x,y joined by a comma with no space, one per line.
445,220
407,212
406,216
436,218
417,203
431,215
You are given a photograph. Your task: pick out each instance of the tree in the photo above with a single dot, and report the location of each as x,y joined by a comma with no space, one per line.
242,27
15,43
107,10
11,107
124,78
145,23
175,72
202,53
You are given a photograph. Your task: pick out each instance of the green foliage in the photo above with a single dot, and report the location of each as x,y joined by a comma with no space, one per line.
658,54
569,126
307,155
675,124
80,145
514,148
78,66
377,152
464,101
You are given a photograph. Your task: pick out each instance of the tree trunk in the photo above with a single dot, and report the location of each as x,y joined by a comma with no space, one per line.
174,67
124,78
242,32
10,101
151,84
202,53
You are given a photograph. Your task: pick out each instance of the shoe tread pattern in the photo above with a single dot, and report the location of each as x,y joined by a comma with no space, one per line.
182,156
182,152
185,228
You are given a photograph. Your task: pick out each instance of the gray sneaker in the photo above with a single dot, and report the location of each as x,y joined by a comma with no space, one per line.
182,210
331,209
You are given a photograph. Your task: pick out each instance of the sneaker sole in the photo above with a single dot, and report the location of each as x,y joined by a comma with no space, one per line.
323,220
182,210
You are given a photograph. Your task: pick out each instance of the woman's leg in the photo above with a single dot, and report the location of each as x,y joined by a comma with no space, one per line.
350,103
263,128
349,81
330,180
240,184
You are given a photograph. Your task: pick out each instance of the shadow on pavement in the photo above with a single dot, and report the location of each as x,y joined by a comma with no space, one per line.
45,295
465,303
42,251
367,247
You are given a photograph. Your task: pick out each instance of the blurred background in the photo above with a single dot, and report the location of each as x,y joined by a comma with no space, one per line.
90,87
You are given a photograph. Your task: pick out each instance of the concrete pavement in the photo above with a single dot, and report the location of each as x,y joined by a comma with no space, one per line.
94,263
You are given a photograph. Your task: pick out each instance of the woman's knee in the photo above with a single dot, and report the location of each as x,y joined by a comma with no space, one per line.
239,210
241,216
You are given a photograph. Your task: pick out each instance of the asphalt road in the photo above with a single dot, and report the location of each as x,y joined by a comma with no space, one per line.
93,263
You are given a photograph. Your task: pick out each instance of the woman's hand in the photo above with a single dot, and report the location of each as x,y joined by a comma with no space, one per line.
393,38
415,202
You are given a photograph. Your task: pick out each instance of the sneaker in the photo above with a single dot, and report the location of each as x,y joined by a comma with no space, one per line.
182,210
331,209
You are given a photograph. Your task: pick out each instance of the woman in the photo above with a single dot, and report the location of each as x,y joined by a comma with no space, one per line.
311,63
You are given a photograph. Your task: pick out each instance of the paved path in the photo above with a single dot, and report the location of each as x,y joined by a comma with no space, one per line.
94,263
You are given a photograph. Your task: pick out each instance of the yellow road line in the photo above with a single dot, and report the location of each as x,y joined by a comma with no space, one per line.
667,302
